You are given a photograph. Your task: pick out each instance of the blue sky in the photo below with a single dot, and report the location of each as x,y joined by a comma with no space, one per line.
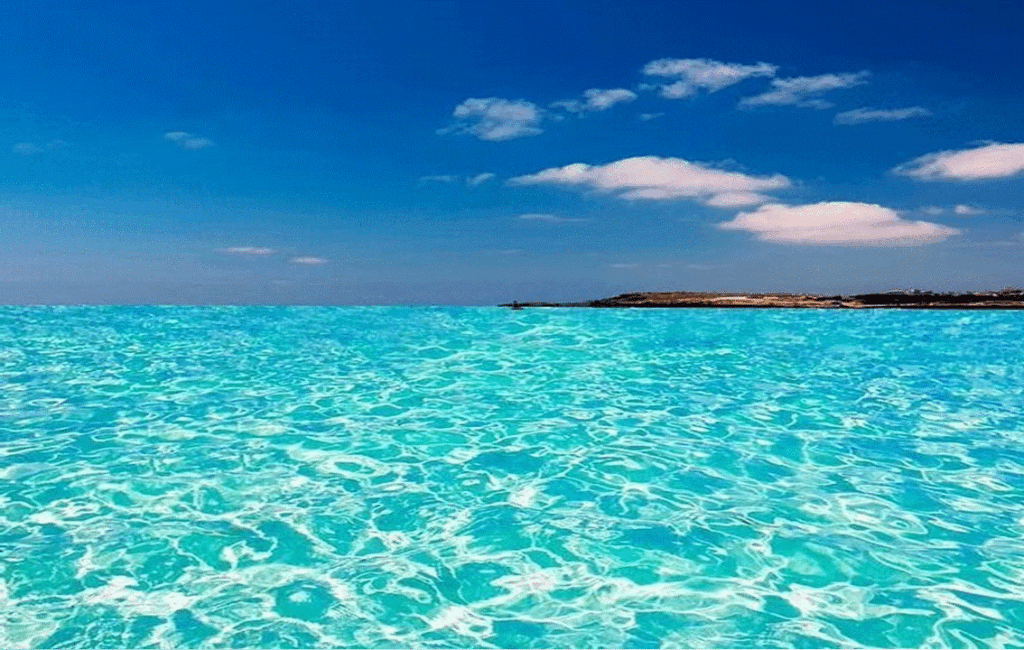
473,153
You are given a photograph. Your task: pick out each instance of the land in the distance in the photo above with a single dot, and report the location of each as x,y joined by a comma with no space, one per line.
1011,298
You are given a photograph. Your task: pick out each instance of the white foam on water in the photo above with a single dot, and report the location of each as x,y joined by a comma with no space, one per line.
523,497
119,593
463,621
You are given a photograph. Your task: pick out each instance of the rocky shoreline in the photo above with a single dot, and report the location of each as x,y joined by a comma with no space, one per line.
1012,298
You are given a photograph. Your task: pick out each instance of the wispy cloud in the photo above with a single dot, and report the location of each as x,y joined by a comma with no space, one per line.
804,91
31,148
967,211
438,179
989,161
495,119
309,261
692,75
647,117
27,148
837,223
502,251
187,140
624,265
472,181
961,210
651,177
596,100
550,218
862,115
737,199
479,179
247,250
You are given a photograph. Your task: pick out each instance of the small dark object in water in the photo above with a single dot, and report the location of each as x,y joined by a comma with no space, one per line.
516,305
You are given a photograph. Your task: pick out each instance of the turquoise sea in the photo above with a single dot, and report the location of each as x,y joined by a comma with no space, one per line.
477,477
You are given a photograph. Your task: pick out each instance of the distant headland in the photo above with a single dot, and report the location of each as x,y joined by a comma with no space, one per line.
1010,298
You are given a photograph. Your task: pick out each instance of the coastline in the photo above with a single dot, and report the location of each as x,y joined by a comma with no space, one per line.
1003,299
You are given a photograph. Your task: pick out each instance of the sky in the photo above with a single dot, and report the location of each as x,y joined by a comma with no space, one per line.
481,152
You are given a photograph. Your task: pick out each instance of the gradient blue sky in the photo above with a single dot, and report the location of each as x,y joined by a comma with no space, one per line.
356,152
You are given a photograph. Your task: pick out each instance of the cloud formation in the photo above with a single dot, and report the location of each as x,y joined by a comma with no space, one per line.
596,100
960,210
804,91
692,75
495,119
502,251
479,179
837,223
989,161
31,148
549,218
247,250
439,178
967,211
737,199
472,181
27,149
862,115
187,140
310,261
651,177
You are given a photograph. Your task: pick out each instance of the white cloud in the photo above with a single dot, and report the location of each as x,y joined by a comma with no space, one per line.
837,222
187,140
503,251
967,211
692,75
438,178
624,266
989,161
197,143
737,199
27,148
247,250
862,115
479,179
472,181
549,218
960,210
596,100
496,119
651,177
599,100
311,261
31,148
647,117
802,91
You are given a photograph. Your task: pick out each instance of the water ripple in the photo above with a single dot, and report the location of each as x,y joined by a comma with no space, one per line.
446,477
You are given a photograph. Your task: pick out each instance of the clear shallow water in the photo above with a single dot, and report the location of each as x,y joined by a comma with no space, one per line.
446,477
